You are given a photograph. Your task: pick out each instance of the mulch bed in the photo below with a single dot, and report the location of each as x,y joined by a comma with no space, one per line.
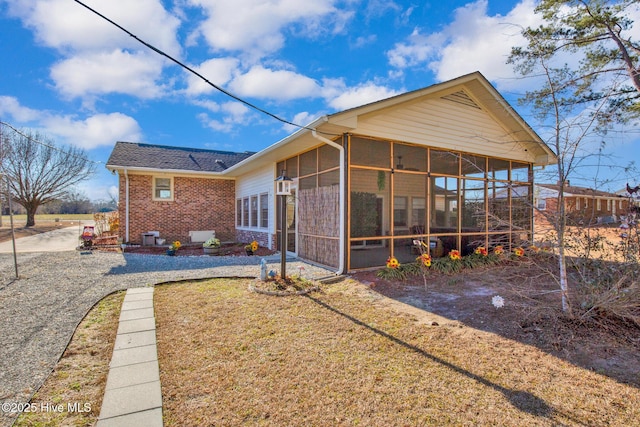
228,249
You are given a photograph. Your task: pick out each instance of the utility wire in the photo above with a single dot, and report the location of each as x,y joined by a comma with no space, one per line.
194,72
44,144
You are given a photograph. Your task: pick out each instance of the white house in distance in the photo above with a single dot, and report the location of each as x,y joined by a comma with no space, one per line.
430,164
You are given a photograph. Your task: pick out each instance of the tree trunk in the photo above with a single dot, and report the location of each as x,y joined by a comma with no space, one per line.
31,216
564,284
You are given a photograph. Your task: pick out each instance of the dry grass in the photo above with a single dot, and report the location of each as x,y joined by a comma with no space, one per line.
231,357
81,374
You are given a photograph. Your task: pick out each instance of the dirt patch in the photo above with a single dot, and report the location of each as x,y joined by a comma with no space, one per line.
5,232
531,314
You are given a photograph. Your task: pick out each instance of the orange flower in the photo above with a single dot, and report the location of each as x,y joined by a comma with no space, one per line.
425,259
392,262
455,255
498,250
518,252
254,246
480,250
534,248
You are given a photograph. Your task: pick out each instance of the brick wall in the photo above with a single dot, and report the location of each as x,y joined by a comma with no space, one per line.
247,236
199,204
588,212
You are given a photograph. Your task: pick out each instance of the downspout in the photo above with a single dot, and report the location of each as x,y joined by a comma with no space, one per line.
342,195
126,206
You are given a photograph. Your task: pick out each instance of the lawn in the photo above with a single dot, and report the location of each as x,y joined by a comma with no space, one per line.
81,374
343,357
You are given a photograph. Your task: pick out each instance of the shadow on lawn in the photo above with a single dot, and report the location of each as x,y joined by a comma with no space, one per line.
522,400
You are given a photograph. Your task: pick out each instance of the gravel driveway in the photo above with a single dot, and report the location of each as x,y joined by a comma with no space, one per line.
40,311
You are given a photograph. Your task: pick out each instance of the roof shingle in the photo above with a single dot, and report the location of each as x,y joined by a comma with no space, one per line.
137,155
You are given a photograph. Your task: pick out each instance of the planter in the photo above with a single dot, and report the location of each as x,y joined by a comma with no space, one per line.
211,251
171,252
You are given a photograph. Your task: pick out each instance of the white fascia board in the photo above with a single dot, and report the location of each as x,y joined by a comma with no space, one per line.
180,172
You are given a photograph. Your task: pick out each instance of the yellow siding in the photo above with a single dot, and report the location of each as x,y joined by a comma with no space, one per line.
445,124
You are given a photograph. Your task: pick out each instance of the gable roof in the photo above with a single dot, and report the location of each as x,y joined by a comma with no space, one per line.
134,156
473,91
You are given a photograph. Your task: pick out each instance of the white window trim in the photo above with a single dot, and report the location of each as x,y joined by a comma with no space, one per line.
240,214
171,189
260,209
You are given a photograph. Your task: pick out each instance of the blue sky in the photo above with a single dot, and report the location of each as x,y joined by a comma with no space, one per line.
81,81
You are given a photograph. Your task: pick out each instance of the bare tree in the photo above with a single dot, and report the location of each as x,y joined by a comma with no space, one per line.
38,171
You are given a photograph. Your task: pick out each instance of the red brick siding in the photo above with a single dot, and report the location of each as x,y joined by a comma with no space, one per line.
248,236
199,204
588,212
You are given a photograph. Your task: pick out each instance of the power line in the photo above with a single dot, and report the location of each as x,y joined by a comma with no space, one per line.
44,144
194,72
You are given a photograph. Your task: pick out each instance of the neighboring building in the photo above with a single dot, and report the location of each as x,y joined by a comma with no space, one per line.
433,164
582,205
634,197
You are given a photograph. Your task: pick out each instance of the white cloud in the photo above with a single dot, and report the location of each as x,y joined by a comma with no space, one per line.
66,25
302,119
473,41
99,58
279,85
108,72
233,114
89,133
218,71
360,95
263,23
94,131
417,49
10,106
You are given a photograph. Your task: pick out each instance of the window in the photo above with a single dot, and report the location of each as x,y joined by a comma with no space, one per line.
541,204
418,211
163,189
598,204
400,211
577,203
245,212
254,211
264,210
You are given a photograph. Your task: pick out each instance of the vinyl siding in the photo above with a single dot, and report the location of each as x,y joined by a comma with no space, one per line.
445,124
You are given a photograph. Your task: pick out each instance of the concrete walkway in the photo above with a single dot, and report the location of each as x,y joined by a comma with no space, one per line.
60,240
132,395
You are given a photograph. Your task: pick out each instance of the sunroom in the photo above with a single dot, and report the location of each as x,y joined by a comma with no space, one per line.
451,165
400,192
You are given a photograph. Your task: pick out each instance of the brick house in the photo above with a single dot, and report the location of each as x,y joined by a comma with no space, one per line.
164,189
435,164
582,205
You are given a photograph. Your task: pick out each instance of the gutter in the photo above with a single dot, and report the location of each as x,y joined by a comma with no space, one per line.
126,206
342,195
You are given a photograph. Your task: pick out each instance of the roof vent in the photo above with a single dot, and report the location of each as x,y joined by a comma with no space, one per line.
461,97
221,163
